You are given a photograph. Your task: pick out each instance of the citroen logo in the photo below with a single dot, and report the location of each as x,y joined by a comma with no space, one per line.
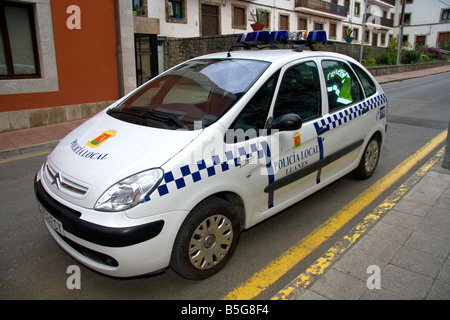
57,180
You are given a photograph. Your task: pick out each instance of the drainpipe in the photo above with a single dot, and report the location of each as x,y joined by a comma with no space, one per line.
119,48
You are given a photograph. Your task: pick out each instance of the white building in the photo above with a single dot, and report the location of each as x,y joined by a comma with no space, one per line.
194,18
427,22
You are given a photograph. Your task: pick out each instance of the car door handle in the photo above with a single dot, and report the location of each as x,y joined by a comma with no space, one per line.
322,131
365,110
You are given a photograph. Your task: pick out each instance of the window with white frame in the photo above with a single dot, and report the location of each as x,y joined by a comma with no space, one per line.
239,16
176,11
445,16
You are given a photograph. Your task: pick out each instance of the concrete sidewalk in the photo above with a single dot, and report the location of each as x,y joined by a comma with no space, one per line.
20,142
412,74
38,139
399,252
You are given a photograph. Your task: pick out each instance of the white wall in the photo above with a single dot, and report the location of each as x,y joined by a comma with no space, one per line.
424,20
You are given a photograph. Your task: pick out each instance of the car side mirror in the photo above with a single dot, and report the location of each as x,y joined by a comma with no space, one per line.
286,122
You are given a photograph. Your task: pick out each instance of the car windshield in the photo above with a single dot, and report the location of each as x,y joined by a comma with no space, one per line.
191,96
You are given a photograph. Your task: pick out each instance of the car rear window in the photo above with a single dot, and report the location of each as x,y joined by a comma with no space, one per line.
366,81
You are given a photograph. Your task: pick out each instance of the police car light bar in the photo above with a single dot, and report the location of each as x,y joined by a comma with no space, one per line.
279,35
318,35
264,38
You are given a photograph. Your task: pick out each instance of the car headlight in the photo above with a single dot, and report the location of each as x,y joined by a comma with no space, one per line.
130,191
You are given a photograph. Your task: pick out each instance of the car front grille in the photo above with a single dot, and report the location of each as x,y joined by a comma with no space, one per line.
63,182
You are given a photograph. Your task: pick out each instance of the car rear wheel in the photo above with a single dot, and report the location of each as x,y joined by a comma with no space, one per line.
206,240
369,159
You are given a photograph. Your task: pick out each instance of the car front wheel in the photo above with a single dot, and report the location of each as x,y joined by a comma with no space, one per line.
206,240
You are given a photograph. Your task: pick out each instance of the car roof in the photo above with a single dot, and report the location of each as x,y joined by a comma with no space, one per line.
271,55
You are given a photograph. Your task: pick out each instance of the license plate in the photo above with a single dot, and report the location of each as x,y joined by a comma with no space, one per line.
51,221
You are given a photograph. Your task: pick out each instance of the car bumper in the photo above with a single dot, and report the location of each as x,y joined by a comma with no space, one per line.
126,251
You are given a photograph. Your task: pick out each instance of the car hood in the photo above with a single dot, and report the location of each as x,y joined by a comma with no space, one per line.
104,150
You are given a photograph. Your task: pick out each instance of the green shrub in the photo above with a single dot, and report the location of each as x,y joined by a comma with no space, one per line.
383,59
410,56
369,61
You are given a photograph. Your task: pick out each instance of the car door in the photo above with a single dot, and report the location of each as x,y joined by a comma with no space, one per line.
248,147
294,172
344,128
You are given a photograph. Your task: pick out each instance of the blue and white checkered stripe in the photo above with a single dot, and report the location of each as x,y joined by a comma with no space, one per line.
348,114
191,173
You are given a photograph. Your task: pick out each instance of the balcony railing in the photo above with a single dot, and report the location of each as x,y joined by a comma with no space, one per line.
391,2
380,21
323,6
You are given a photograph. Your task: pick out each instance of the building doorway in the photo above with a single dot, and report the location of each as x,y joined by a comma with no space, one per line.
210,20
146,49
443,37
374,39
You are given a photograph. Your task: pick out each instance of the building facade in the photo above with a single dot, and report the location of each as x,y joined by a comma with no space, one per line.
425,22
63,60
194,18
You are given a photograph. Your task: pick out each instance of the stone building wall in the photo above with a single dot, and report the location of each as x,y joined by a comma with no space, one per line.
177,50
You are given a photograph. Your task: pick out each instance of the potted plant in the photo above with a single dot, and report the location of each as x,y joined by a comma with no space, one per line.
349,35
258,18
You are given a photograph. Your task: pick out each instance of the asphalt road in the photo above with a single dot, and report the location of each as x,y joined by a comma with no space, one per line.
32,266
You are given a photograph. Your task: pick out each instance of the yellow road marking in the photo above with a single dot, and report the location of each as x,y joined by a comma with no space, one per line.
24,157
261,280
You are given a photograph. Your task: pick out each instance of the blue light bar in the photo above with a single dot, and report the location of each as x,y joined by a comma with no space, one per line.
262,39
257,36
251,36
282,35
263,36
318,35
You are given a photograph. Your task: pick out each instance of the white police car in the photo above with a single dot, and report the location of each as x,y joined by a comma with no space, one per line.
173,172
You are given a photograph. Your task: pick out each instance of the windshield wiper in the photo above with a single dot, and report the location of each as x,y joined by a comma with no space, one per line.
123,112
159,116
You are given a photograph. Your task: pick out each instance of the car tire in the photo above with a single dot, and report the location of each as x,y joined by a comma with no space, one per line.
206,240
369,159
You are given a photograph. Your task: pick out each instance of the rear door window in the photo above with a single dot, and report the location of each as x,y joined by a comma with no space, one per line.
343,87
366,81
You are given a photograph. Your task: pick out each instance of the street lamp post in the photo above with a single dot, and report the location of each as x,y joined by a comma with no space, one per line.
400,35
446,160
363,35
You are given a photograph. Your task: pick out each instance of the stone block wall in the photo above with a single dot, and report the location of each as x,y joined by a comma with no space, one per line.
385,70
23,119
177,50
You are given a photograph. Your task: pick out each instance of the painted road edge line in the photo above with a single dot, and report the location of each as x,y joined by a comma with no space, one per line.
26,156
263,279
302,282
